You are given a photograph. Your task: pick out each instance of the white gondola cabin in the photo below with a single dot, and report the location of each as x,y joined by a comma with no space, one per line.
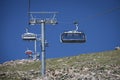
29,36
73,37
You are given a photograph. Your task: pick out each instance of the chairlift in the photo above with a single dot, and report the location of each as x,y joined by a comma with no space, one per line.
73,36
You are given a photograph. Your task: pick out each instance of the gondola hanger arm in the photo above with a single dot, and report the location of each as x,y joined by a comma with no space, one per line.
76,25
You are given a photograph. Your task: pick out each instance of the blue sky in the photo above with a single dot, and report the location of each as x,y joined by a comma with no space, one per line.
99,19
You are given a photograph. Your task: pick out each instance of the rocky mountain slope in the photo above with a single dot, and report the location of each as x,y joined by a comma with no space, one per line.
94,66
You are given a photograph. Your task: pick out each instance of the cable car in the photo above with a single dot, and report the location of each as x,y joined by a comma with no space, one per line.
73,36
29,36
28,52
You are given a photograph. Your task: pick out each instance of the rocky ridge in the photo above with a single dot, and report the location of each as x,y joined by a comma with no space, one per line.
95,66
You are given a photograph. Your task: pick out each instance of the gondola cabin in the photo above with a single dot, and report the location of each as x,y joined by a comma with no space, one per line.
73,37
28,52
29,36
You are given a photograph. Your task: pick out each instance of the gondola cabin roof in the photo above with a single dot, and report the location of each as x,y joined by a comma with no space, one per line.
73,37
29,36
